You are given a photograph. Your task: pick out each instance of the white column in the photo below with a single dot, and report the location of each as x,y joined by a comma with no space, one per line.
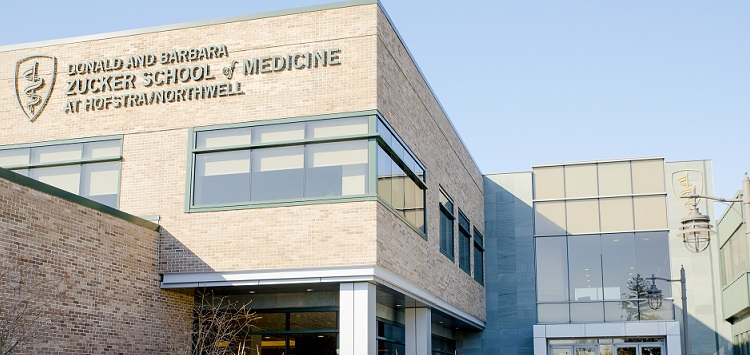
357,325
418,331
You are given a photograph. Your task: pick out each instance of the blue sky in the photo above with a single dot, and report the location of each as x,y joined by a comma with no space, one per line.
529,82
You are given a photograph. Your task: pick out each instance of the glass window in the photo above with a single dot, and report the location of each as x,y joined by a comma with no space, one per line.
614,179
478,257
288,132
652,257
581,181
549,183
446,226
90,169
583,216
552,269
586,312
336,169
553,313
584,255
618,264
14,157
222,138
101,182
616,214
550,218
56,153
464,246
66,177
650,212
385,176
337,128
277,173
442,345
312,321
648,176
222,178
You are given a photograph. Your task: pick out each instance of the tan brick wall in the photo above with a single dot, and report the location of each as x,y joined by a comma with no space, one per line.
114,304
410,107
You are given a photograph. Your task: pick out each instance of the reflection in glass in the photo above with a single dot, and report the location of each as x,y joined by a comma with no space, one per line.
629,350
585,268
552,269
385,171
337,128
399,190
277,173
586,351
14,157
336,169
67,177
618,264
278,133
553,313
222,178
56,153
652,257
222,138
102,150
586,312
101,182
312,321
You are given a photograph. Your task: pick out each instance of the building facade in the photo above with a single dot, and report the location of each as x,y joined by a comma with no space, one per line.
573,247
297,159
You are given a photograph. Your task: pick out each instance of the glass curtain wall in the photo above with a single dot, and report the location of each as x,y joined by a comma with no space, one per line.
600,232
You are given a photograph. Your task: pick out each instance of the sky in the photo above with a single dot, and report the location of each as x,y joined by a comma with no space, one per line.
528,82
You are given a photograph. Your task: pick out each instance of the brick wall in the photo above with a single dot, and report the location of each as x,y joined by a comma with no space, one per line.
114,304
410,107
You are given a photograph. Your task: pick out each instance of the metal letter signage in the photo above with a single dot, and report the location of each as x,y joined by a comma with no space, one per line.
686,182
35,77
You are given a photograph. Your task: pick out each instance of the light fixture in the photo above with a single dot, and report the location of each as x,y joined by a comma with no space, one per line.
696,228
654,297
309,290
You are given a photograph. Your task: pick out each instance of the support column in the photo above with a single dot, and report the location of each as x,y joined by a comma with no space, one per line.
418,331
357,325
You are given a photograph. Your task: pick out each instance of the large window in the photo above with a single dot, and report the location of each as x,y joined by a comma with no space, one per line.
295,332
446,225
400,177
478,257
89,168
464,243
280,162
352,157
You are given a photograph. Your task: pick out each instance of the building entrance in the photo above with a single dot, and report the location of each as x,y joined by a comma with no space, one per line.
607,346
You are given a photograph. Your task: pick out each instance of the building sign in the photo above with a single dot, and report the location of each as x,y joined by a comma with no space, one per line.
150,79
686,182
35,78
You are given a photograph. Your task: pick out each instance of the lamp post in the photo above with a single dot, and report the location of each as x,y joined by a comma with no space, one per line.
654,296
696,229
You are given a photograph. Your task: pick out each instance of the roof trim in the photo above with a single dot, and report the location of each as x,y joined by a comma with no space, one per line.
184,25
71,197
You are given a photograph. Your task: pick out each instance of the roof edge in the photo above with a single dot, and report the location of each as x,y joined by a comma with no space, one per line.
71,197
184,25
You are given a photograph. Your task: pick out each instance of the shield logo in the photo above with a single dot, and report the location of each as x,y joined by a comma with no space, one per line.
686,182
35,78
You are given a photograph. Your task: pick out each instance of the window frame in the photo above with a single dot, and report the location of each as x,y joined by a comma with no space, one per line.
447,212
464,242
478,253
82,162
192,152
